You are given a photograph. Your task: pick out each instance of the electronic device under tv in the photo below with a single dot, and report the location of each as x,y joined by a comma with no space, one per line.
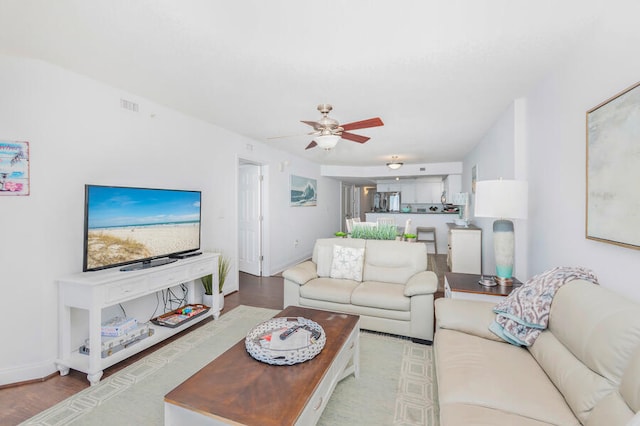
137,228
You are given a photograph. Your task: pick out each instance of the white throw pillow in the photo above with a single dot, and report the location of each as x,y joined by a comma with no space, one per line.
347,263
325,254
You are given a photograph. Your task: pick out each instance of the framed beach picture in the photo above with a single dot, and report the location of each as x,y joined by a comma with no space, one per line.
14,168
474,178
304,191
613,170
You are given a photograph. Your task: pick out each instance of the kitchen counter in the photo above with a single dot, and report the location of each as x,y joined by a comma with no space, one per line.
427,212
438,220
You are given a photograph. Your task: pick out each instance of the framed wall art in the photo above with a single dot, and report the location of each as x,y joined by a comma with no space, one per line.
14,168
474,178
613,170
304,191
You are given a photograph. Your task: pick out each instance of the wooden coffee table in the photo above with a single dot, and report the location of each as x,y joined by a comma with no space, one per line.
237,389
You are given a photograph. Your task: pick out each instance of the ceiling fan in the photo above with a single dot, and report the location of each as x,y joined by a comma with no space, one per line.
328,131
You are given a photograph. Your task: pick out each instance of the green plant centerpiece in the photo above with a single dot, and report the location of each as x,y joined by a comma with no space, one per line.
410,237
224,264
380,232
340,234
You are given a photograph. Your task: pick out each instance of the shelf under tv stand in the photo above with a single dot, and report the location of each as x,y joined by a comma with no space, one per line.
93,291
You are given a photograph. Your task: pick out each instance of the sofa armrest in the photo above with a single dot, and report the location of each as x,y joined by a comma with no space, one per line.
468,316
301,273
425,282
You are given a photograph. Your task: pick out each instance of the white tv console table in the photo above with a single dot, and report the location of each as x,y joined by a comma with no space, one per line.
93,291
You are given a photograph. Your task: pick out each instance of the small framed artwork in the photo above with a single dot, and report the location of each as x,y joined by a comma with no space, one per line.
613,170
14,168
474,178
304,191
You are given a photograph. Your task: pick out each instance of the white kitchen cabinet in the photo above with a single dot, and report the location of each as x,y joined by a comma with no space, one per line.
408,192
464,251
390,186
452,185
428,191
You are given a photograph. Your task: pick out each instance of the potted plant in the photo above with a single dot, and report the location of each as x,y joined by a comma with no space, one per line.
340,234
224,264
410,237
216,300
207,297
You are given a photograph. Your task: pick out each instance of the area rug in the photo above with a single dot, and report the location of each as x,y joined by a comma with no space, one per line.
395,386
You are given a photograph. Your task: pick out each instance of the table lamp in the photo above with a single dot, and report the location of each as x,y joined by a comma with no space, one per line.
503,199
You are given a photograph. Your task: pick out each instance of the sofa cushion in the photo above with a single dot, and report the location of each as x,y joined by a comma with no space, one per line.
581,387
601,328
381,295
347,263
468,316
329,289
629,387
386,315
393,261
495,375
465,414
592,337
324,260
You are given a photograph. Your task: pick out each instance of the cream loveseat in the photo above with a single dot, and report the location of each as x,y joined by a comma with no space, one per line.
394,293
583,369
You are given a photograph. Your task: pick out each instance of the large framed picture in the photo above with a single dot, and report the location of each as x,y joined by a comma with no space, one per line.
613,170
304,191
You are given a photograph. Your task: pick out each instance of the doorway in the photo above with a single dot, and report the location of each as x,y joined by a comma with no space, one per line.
350,204
250,217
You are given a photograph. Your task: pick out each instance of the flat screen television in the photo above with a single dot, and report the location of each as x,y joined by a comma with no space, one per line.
139,227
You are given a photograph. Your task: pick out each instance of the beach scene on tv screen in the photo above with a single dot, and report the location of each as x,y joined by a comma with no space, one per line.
129,224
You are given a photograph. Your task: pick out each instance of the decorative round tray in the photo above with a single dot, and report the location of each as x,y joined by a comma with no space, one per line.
304,342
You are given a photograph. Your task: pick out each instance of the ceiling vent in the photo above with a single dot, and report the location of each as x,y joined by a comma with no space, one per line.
131,106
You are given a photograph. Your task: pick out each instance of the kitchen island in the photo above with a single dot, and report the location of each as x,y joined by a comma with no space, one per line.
437,220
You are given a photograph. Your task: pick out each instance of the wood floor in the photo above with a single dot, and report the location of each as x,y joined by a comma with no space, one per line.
20,402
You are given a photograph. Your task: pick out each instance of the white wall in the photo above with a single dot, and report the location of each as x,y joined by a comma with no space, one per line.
547,129
496,157
78,134
602,66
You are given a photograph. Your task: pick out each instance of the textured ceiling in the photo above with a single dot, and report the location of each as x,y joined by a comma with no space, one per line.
438,73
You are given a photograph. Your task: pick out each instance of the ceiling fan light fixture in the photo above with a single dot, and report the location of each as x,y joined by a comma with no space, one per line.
394,164
327,142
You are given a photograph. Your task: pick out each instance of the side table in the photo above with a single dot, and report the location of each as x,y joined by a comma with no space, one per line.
466,286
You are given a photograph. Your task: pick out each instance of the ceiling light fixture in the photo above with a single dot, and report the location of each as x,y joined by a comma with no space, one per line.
327,142
394,164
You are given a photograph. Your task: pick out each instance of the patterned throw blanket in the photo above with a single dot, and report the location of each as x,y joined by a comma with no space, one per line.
524,314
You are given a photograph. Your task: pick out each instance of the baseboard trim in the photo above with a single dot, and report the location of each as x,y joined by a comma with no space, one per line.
27,374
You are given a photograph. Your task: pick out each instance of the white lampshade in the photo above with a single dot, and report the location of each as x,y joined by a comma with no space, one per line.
327,141
501,199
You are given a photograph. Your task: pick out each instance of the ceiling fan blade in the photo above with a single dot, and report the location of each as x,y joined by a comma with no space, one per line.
313,144
293,136
372,122
354,137
314,124
287,136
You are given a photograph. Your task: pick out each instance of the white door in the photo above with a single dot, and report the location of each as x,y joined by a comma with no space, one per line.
250,219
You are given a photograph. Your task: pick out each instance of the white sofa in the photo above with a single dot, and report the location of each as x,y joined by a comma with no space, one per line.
395,294
583,369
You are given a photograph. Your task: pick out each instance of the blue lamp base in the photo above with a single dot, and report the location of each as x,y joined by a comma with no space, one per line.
503,246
